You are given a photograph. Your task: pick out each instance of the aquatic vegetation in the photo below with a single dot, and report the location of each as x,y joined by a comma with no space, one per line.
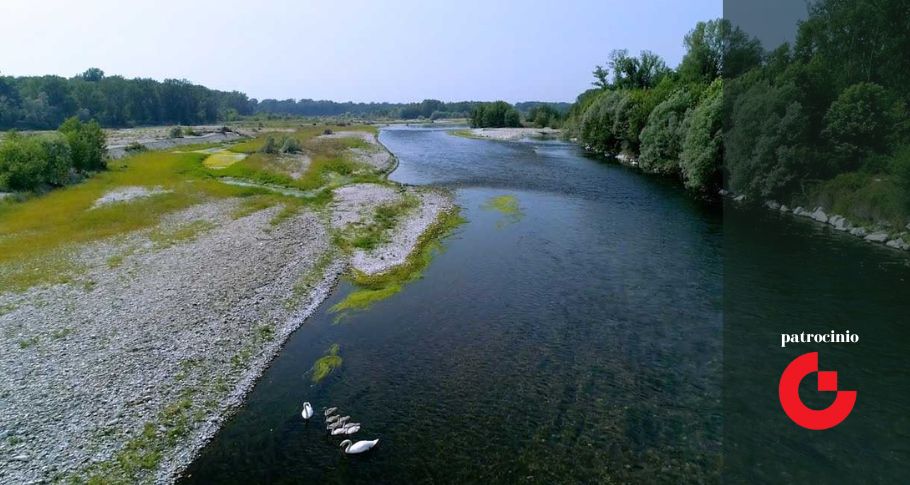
326,364
364,298
507,205
377,287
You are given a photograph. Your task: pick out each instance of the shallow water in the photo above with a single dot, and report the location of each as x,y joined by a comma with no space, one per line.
575,340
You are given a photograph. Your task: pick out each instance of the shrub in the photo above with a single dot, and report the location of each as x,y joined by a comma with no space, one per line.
290,145
87,143
27,162
175,132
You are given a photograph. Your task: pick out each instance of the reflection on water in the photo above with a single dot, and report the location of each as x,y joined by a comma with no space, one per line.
578,343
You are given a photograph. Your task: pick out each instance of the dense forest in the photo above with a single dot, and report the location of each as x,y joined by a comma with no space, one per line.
820,122
43,102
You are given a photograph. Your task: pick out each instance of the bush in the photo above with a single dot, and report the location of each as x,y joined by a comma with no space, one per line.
270,146
27,162
87,144
176,132
290,145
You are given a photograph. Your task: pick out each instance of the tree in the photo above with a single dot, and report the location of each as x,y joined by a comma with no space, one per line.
662,137
717,49
860,123
701,157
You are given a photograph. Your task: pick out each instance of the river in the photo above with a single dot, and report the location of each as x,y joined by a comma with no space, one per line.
576,340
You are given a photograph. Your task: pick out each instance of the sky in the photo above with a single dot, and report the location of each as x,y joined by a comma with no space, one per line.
396,51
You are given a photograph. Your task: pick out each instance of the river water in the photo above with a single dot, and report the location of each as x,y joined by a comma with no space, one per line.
578,340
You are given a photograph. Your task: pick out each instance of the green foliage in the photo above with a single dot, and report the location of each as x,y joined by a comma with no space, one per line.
860,123
717,49
663,135
544,116
28,162
701,157
498,114
87,143
765,151
175,132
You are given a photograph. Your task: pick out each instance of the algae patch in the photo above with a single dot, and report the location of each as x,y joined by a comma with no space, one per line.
326,364
376,287
222,159
508,206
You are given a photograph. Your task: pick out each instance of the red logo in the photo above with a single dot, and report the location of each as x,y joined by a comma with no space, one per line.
816,419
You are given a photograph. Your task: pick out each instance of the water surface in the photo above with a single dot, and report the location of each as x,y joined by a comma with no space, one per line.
578,340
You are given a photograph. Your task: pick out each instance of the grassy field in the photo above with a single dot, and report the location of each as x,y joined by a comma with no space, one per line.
38,234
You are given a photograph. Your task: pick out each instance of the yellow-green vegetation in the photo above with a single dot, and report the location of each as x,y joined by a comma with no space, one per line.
142,454
376,287
39,231
375,233
507,205
466,134
326,364
182,234
223,159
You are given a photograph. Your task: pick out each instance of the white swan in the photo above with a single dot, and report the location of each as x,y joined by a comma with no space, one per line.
332,419
328,412
358,447
338,431
333,426
351,428
307,412
343,419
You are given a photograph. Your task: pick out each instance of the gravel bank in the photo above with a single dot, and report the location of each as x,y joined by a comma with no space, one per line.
155,320
513,133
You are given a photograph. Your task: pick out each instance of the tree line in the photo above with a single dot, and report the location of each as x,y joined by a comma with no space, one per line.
821,121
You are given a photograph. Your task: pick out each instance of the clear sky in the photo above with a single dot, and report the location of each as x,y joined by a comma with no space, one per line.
402,50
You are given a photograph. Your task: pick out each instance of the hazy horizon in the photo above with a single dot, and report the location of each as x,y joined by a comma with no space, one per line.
356,51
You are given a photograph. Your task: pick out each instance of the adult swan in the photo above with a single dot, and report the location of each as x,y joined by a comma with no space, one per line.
307,412
358,447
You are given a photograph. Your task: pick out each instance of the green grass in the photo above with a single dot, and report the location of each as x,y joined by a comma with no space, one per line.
375,233
326,364
377,287
39,231
142,454
183,234
466,134
222,159
864,199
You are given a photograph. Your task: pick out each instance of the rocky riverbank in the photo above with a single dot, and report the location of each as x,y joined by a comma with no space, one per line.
126,371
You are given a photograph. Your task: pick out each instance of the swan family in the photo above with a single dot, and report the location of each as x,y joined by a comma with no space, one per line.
338,425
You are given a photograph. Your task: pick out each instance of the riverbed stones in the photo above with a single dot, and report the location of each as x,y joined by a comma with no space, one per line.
819,215
772,205
877,237
898,244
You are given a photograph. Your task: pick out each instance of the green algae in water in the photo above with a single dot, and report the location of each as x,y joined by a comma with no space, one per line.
507,205
374,288
326,364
